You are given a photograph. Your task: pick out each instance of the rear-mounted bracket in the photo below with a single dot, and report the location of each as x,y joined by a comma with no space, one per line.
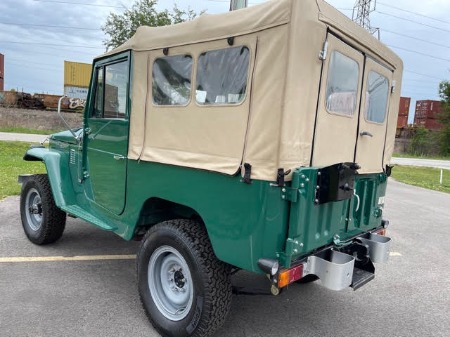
335,269
379,246
335,182
289,194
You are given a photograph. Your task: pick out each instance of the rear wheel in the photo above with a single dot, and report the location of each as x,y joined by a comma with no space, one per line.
184,289
42,221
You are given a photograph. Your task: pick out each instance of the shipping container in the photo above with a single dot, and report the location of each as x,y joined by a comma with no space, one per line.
402,121
8,98
428,123
2,72
403,108
49,101
76,92
77,74
427,109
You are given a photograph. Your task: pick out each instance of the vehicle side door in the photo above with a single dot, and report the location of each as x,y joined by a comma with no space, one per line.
106,133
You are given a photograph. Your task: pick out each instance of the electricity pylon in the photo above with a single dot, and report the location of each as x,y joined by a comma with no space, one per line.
361,14
237,4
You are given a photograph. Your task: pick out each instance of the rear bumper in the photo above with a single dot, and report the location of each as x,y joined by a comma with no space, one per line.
341,265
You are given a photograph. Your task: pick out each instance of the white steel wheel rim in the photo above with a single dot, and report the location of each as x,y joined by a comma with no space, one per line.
33,209
170,283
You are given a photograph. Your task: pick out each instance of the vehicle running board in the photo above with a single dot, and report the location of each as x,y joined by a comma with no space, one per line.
360,278
78,212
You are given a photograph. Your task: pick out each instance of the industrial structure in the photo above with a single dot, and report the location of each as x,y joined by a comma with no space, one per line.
403,112
427,114
238,4
76,79
361,15
2,72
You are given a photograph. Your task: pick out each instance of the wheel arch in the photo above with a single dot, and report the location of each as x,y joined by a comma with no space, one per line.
56,176
156,210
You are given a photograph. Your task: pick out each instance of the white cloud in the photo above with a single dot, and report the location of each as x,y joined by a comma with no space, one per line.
38,67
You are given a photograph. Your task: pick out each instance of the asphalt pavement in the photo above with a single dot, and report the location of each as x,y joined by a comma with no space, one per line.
49,291
444,164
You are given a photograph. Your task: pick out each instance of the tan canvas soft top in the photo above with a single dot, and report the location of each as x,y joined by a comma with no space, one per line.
273,127
209,27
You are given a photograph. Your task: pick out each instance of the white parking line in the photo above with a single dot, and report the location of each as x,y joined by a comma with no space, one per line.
395,254
65,258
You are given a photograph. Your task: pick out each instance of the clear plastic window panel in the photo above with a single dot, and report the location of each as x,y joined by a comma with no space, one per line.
376,97
342,84
172,80
222,76
98,105
116,84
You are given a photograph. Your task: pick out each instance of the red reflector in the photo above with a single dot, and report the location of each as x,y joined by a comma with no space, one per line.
381,231
290,275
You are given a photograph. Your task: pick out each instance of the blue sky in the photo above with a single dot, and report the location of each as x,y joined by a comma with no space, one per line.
35,52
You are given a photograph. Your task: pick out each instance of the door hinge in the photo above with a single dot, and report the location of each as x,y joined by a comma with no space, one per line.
394,83
289,194
324,51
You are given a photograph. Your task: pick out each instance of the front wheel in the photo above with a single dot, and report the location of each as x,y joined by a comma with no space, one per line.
42,221
184,289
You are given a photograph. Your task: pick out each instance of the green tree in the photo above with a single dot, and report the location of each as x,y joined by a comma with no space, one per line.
444,117
120,27
422,143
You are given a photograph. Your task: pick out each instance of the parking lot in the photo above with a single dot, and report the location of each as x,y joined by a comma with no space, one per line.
51,291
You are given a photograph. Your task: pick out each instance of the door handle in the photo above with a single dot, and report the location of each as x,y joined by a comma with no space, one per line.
119,157
365,133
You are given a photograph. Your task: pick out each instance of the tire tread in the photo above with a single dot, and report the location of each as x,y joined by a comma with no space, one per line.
54,220
216,274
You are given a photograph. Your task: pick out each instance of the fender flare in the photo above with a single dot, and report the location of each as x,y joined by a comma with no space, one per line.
52,161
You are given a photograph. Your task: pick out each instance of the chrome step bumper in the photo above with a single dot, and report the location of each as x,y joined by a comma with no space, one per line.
338,270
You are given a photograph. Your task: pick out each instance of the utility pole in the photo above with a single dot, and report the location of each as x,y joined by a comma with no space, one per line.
237,4
361,14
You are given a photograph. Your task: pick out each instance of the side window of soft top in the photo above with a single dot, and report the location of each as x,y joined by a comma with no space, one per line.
111,90
342,85
222,76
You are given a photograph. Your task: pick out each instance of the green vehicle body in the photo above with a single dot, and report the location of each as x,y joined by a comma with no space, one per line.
258,220
266,149
313,207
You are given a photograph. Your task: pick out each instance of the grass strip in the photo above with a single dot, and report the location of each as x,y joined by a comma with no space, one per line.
26,130
425,177
12,164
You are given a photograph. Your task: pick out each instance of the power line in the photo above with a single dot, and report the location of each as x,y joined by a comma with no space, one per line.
26,61
413,72
416,38
419,53
413,21
49,26
78,3
24,65
52,44
425,82
415,13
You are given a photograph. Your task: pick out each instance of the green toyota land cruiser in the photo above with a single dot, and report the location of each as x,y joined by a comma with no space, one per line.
255,140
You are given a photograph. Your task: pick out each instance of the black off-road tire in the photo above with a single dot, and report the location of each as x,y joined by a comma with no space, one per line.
42,221
187,242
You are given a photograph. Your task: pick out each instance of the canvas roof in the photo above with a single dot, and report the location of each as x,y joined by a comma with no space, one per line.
273,128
